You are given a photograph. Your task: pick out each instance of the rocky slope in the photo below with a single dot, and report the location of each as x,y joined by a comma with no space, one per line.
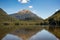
26,15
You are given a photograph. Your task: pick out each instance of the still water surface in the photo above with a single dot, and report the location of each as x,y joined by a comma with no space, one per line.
11,37
41,35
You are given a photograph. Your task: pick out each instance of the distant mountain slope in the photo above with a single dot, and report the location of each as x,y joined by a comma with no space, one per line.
26,15
6,23
54,19
5,17
55,16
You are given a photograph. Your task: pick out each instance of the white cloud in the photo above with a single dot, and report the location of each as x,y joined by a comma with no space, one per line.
30,6
24,1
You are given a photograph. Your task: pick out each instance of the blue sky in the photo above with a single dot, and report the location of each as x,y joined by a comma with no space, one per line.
43,8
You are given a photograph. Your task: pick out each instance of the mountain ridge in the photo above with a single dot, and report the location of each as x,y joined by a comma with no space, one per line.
55,15
26,15
5,17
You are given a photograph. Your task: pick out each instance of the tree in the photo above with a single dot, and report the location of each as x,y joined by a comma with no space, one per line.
52,21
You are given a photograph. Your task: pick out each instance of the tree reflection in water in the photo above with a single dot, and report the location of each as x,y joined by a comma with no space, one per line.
55,30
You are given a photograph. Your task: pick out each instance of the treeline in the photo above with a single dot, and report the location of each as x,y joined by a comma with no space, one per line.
54,22
51,21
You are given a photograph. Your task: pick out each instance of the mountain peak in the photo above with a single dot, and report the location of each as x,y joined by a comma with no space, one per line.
26,15
2,12
24,11
58,10
1,9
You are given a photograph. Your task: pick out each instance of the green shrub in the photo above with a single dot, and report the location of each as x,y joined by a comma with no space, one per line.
16,23
6,23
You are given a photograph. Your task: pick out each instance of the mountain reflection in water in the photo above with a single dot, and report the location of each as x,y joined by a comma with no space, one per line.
43,35
53,33
11,37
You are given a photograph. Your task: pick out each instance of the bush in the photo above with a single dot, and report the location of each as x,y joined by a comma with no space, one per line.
16,23
37,24
6,23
